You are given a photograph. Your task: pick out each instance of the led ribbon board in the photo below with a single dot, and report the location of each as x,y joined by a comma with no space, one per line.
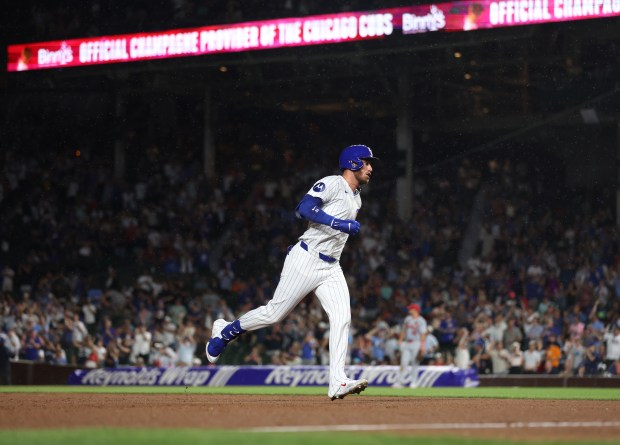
304,31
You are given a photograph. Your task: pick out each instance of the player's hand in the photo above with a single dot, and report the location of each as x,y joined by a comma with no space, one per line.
349,226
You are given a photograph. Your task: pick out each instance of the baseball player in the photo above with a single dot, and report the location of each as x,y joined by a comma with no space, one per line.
312,265
411,344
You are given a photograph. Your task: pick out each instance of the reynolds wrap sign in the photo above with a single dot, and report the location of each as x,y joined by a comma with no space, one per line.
427,376
304,31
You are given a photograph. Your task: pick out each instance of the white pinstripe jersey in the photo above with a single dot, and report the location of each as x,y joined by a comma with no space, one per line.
340,202
414,328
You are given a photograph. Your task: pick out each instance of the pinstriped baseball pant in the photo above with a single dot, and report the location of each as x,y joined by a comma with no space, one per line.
304,272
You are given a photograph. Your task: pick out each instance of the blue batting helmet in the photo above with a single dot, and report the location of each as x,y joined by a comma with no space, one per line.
351,157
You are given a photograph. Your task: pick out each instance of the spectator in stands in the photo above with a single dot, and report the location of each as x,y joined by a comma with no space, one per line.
446,331
553,356
177,311
254,358
431,347
274,341
125,347
141,347
496,330
186,350
362,350
168,332
292,356
462,357
32,346
577,326
66,339
13,343
533,328
162,356
308,349
516,359
480,358
591,365
5,360
512,334
612,348
377,337
111,356
89,312
575,355
500,358
90,352
108,331
532,358
80,333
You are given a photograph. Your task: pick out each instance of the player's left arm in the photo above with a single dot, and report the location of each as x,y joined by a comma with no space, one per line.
310,209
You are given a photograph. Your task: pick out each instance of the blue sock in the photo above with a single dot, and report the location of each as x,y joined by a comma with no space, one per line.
232,331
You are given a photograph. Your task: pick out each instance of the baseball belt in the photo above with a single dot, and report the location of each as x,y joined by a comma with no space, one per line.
322,256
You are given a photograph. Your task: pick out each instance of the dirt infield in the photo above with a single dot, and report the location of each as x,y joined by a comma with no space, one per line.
503,418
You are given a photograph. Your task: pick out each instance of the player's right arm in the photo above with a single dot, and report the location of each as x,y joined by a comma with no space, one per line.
310,208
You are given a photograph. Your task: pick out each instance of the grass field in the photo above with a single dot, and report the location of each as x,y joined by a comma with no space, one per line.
489,392
182,436
211,437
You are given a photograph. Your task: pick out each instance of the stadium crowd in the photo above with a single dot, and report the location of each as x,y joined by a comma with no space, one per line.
104,273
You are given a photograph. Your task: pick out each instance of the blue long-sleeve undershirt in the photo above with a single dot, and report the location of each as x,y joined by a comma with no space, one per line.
310,208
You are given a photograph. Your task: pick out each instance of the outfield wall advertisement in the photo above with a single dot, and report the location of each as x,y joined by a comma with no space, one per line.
303,31
427,376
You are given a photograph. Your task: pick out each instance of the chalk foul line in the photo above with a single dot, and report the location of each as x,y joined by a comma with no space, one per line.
434,426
